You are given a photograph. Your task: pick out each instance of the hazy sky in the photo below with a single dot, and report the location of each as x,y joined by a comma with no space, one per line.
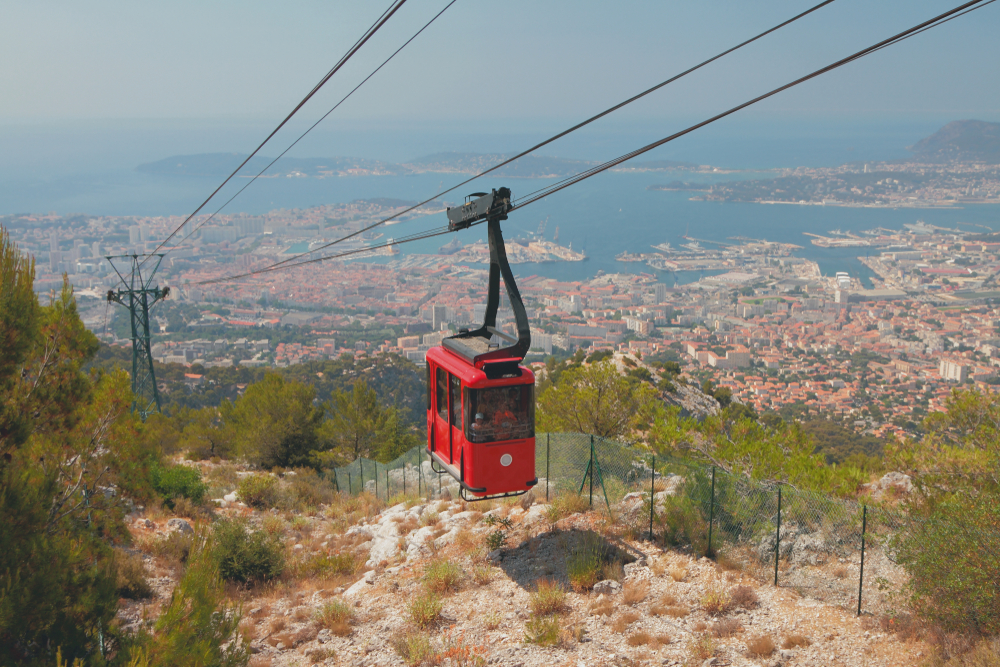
515,61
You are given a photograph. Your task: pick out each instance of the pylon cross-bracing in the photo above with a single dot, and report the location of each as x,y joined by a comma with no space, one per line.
138,294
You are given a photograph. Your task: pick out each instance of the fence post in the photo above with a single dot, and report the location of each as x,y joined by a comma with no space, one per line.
336,481
652,494
711,514
548,436
591,468
777,540
350,486
404,479
375,477
361,463
387,485
861,577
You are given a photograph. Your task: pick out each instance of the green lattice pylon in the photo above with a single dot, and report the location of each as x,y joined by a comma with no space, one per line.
138,295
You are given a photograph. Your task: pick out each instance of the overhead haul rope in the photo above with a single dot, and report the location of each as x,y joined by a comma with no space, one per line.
386,15
560,135
313,126
906,34
565,183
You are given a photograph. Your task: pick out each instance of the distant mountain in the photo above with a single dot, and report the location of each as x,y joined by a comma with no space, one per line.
529,166
220,165
961,141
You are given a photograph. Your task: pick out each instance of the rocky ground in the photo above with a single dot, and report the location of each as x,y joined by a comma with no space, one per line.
651,606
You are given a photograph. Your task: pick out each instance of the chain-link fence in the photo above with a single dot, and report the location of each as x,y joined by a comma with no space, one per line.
827,548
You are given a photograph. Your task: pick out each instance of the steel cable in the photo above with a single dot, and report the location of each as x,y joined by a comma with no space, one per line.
343,60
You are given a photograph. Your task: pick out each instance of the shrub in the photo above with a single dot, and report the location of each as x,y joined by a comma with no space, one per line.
566,504
178,482
482,574
701,648
425,609
245,556
795,641
635,592
329,565
727,627
306,490
197,627
548,598
715,601
678,572
953,572
176,546
760,647
681,524
639,638
583,565
336,616
622,622
542,630
412,647
743,597
602,607
443,576
131,576
496,540
258,490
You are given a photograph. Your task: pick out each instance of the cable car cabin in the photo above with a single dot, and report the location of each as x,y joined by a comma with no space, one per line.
481,428
480,399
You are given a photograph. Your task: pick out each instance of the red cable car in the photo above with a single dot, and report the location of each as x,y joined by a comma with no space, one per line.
480,399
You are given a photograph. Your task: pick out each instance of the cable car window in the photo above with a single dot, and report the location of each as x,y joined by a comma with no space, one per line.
455,398
500,413
442,393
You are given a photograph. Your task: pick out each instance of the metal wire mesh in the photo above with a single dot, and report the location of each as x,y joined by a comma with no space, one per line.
826,548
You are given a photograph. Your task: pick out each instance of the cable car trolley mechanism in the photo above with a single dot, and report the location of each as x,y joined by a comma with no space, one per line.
480,399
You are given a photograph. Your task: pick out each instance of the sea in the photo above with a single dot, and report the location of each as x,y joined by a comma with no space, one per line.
89,167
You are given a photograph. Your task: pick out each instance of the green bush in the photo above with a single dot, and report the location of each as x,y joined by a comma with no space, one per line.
178,482
681,524
131,576
542,630
585,561
953,557
425,609
246,556
197,627
259,491
443,576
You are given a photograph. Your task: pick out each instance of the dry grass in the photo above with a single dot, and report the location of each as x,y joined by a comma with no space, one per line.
620,624
425,609
639,638
700,648
336,616
248,629
443,576
260,661
415,649
668,605
131,576
635,592
743,597
603,606
482,574
548,598
293,639
277,624
543,631
492,620
726,627
700,626
658,567
564,505
716,600
840,572
677,572
614,570
300,613
760,647
795,641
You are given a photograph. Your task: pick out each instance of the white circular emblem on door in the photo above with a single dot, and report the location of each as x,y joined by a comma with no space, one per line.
506,460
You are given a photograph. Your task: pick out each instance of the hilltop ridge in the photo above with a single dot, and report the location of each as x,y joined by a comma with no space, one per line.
961,141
